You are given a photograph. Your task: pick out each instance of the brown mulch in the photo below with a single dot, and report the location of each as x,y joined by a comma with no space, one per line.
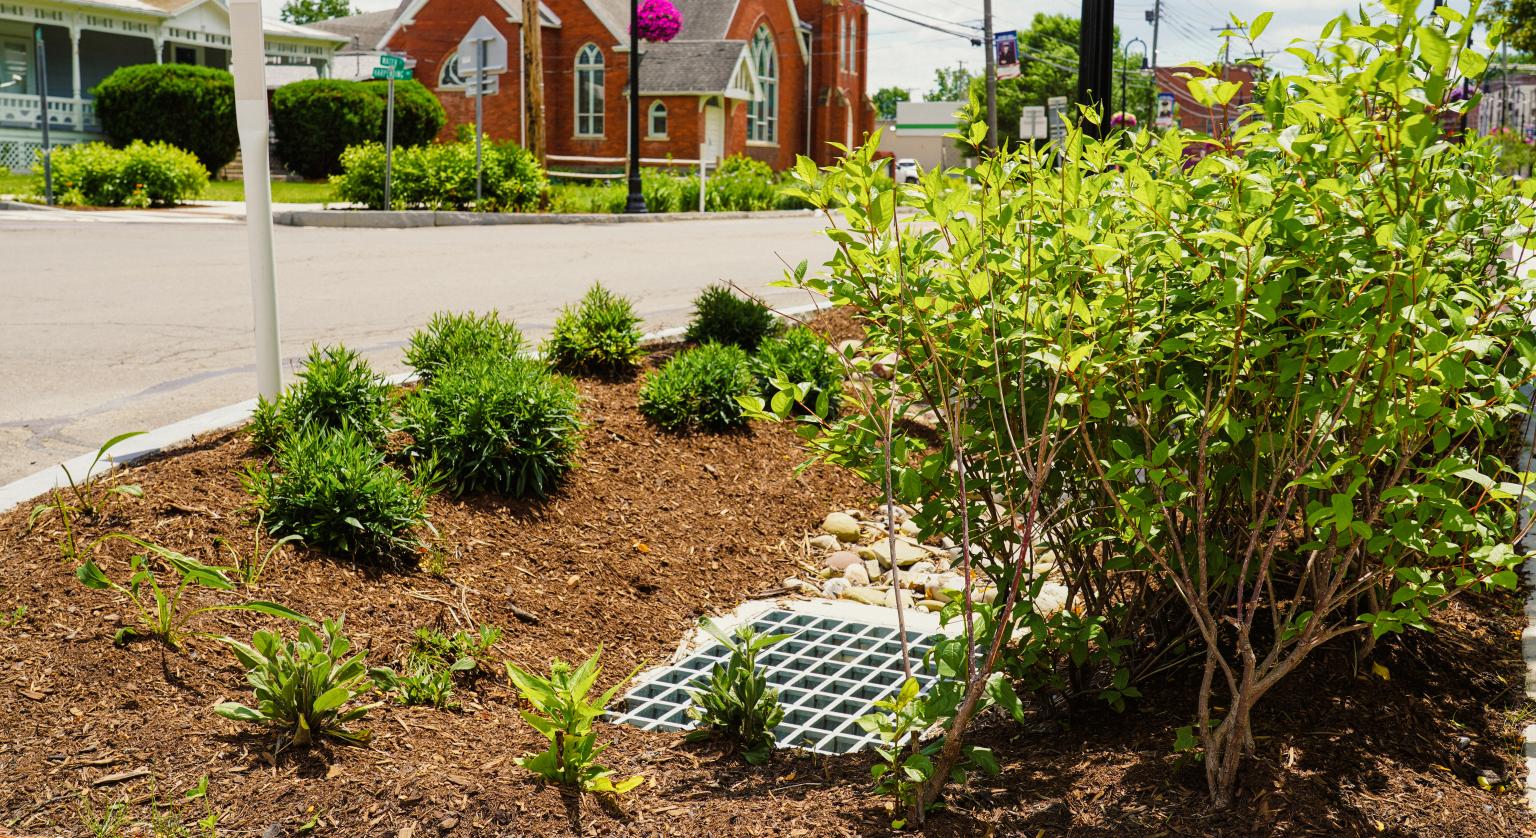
651,532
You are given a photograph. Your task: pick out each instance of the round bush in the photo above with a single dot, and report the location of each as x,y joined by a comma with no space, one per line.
140,175
599,336
192,108
800,357
332,488
336,389
701,388
722,317
451,338
496,424
317,119
419,116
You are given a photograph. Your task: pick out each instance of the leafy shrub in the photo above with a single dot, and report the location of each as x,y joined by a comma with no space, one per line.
599,336
735,702
700,388
441,176
336,389
1257,398
303,685
799,370
563,715
450,338
188,107
432,663
315,120
722,317
496,425
419,116
332,488
741,184
139,175
663,191
588,199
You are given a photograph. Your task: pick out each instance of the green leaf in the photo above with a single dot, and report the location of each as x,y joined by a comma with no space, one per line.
1435,48
91,576
331,699
1260,23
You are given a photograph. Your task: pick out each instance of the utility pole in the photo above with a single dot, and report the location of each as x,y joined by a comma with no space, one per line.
1095,74
991,71
1157,21
533,76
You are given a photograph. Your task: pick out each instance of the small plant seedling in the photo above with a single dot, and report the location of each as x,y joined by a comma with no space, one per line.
158,608
736,702
905,762
13,619
302,686
249,568
562,713
433,662
91,492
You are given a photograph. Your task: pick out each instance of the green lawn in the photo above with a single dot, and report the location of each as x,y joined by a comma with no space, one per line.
218,190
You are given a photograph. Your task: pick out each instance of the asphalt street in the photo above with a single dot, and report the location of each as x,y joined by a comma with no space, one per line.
109,327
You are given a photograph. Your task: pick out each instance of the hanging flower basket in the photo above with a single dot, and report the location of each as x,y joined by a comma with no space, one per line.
1123,120
659,21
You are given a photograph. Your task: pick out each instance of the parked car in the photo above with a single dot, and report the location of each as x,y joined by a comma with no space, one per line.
906,170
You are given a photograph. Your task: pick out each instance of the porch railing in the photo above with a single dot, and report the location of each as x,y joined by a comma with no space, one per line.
64,113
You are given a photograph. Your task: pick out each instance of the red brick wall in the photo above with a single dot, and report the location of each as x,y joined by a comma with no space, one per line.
434,38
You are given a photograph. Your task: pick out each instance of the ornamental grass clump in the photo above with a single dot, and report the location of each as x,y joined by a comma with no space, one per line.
336,389
496,424
332,488
720,316
1256,401
700,389
451,337
601,336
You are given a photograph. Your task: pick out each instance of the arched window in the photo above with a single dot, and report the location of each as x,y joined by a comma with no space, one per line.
658,121
763,114
450,75
589,91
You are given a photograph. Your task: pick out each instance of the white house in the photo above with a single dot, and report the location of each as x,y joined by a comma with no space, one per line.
85,40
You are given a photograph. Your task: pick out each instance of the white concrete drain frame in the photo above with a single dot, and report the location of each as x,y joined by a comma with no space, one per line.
840,660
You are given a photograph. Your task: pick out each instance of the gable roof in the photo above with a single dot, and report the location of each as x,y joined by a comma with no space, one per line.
405,15
705,20
363,32
698,67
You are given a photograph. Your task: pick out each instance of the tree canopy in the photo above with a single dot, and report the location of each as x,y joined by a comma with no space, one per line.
308,11
886,98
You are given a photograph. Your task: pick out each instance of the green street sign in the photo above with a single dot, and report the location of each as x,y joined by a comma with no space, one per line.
392,61
391,72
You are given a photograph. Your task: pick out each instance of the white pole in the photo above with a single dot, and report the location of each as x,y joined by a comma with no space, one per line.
703,178
480,57
248,63
389,142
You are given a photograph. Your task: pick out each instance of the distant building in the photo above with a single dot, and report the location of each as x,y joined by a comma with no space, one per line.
1507,104
1188,113
918,133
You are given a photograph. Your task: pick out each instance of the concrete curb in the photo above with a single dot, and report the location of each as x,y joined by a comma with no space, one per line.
180,433
1528,634
407,219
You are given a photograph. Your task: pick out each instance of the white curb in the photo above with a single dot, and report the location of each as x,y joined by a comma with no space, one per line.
1528,634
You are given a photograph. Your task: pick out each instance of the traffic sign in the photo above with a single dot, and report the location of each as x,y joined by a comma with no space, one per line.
392,73
495,50
1033,124
489,86
391,60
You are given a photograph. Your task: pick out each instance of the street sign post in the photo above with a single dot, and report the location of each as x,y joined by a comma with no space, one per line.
42,92
393,67
483,51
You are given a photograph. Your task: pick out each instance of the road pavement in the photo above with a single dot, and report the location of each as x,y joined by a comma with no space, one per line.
108,326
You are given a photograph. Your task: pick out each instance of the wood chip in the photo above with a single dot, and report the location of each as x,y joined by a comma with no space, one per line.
120,777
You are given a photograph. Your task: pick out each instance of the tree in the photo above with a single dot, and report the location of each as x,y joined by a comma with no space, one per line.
308,11
886,99
950,83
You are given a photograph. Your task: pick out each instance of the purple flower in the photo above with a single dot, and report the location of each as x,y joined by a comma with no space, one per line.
1123,120
658,21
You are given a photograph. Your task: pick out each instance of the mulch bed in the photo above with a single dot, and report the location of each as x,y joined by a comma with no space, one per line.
651,532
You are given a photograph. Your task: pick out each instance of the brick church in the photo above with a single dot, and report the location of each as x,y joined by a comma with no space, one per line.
767,78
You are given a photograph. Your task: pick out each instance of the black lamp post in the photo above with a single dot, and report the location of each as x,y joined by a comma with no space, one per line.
636,202
1125,70
1095,58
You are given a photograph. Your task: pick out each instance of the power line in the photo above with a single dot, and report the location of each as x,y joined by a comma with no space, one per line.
916,22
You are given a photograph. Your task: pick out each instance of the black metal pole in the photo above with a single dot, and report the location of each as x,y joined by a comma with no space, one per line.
1095,57
636,202
42,90
1125,64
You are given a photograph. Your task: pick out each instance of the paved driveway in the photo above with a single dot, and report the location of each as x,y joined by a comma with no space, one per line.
113,326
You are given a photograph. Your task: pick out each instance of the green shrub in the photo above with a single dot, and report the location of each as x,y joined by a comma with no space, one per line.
138,175
600,336
302,686
432,664
189,107
741,184
735,701
588,199
441,176
419,116
663,191
496,425
800,365
450,338
563,714
722,317
701,388
332,488
336,389
315,120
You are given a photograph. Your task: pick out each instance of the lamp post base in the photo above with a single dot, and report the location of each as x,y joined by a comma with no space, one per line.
636,201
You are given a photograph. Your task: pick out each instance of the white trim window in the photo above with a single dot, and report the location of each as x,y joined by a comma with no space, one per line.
16,66
449,75
763,114
656,121
590,100
842,42
853,44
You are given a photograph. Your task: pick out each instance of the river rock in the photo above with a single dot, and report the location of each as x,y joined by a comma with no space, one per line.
841,560
1052,598
868,596
907,600
824,542
842,525
923,566
943,586
930,605
906,554
834,587
856,574
910,527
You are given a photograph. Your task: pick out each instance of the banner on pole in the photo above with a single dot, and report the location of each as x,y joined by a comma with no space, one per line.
1167,109
1007,53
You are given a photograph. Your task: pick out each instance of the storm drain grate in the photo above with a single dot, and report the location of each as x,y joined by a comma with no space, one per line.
828,673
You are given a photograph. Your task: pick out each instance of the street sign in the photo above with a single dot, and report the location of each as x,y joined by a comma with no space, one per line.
489,86
483,32
1033,124
1056,108
392,73
391,60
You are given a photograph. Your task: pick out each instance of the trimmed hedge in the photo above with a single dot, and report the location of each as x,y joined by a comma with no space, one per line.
192,108
419,116
141,175
317,119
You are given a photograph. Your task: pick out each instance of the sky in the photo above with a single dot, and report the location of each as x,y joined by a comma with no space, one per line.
905,55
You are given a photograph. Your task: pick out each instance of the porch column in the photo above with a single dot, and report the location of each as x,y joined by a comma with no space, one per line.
159,50
74,61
